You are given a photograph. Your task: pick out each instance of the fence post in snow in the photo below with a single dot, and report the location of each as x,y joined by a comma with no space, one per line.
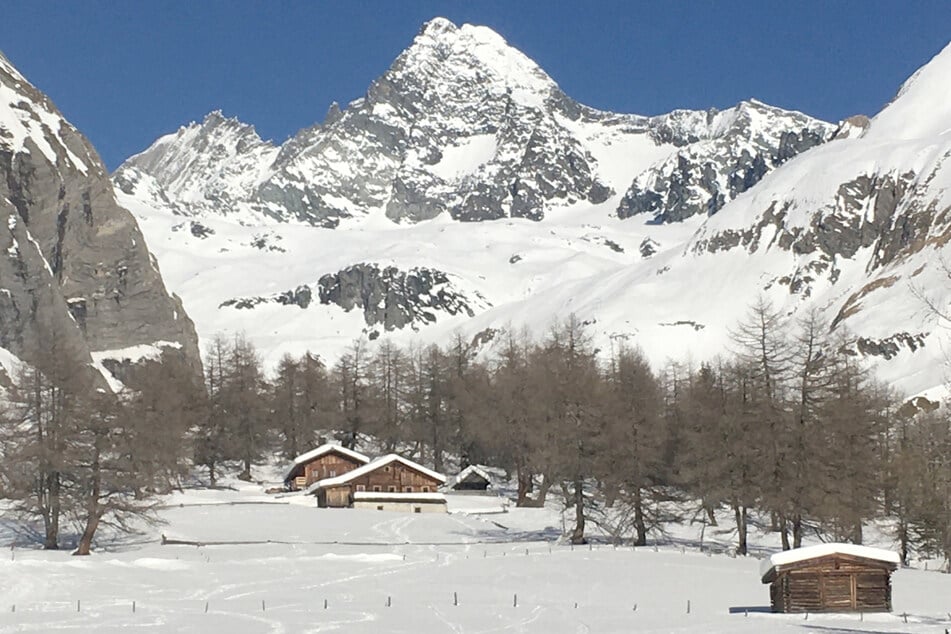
389,601
455,598
133,607
325,604
206,607
688,606
515,601
263,608
77,605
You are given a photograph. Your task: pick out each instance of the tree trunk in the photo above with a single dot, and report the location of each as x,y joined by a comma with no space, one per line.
212,478
85,542
93,507
783,531
797,531
639,526
711,516
577,535
740,514
524,486
903,540
542,492
856,533
246,473
51,517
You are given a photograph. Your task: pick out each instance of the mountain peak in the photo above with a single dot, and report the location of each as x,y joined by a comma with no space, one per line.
443,54
437,26
921,108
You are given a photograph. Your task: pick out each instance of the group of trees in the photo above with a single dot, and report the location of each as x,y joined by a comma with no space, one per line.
787,428
75,453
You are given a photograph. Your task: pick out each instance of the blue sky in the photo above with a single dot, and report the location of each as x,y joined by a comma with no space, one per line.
128,72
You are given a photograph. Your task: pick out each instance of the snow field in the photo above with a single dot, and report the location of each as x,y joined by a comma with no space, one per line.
390,572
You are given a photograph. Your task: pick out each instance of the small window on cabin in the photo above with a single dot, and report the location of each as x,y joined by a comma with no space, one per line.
379,508
333,472
360,487
417,509
377,489
391,489
387,469
425,489
408,489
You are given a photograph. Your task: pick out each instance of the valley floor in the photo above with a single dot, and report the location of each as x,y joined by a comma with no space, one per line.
290,567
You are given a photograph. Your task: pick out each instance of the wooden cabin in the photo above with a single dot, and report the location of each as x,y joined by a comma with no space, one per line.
326,461
477,479
391,482
830,578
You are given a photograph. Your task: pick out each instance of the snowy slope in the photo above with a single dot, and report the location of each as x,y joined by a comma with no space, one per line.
660,230
394,572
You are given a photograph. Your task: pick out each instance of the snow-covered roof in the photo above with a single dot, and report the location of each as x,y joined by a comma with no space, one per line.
824,550
492,475
399,495
373,466
324,449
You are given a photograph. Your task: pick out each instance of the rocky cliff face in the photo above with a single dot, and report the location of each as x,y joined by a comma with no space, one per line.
76,271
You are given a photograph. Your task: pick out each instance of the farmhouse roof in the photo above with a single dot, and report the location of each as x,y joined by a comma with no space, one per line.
320,451
373,466
797,555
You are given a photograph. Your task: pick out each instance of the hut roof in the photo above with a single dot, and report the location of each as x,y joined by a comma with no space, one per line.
796,555
313,454
373,466
492,475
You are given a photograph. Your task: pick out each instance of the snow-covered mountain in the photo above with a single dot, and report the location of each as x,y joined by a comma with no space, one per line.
660,230
77,278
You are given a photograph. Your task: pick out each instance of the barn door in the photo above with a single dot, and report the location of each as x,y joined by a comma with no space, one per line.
837,592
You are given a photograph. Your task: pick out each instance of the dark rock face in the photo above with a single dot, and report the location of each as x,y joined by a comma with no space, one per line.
74,265
722,155
391,297
388,296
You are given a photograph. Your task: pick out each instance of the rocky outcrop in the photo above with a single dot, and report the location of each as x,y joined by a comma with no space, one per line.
393,298
721,155
75,269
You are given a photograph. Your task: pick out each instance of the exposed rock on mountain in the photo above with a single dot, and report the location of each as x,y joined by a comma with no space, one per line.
656,230
721,156
76,273
465,125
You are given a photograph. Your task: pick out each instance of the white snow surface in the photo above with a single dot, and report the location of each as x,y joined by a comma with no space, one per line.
678,303
270,563
824,550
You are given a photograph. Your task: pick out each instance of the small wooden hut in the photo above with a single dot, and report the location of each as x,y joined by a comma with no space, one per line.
326,461
477,479
388,483
830,578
